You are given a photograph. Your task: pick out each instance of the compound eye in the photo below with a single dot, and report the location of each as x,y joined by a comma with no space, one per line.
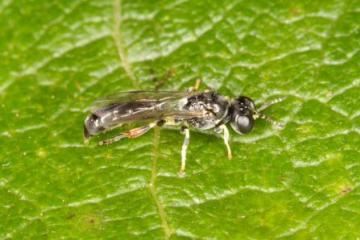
242,124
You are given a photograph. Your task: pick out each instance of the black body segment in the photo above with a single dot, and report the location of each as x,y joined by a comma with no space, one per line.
113,115
191,109
200,110
241,114
215,107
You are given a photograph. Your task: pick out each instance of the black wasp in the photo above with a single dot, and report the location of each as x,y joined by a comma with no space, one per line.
187,109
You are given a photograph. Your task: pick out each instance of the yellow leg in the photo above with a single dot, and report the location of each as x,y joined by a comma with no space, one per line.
185,145
132,133
226,138
196,86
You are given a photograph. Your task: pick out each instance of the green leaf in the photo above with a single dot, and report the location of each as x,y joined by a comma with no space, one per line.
302,181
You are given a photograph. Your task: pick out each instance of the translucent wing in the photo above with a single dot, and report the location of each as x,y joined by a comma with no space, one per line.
139,96
138,106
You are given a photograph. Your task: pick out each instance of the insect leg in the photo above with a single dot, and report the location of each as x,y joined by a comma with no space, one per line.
186,131
196,86
226,137
132,133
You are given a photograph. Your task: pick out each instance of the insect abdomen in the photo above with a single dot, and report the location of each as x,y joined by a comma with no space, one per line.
113,115
92,126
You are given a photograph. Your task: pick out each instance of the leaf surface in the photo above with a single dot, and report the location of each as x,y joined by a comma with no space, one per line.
300,182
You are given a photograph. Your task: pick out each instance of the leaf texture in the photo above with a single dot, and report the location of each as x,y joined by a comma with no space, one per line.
300,182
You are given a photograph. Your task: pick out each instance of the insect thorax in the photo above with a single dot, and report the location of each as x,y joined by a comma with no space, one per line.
215,106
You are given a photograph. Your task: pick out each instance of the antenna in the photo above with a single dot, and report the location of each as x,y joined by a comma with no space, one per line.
260,115
270,103
268,119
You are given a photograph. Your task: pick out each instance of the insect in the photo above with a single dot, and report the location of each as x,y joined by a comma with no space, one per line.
188,109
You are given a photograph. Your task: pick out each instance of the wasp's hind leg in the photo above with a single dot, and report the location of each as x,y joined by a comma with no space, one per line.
132,133
226,136
186,132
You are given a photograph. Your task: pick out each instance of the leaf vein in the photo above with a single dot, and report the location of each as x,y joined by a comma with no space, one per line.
120,45
152,186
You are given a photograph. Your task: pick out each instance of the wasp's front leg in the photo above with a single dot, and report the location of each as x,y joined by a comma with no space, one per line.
226,136
196,86
185,130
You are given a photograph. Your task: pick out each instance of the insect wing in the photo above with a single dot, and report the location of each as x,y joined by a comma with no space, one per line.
141,106
138,96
